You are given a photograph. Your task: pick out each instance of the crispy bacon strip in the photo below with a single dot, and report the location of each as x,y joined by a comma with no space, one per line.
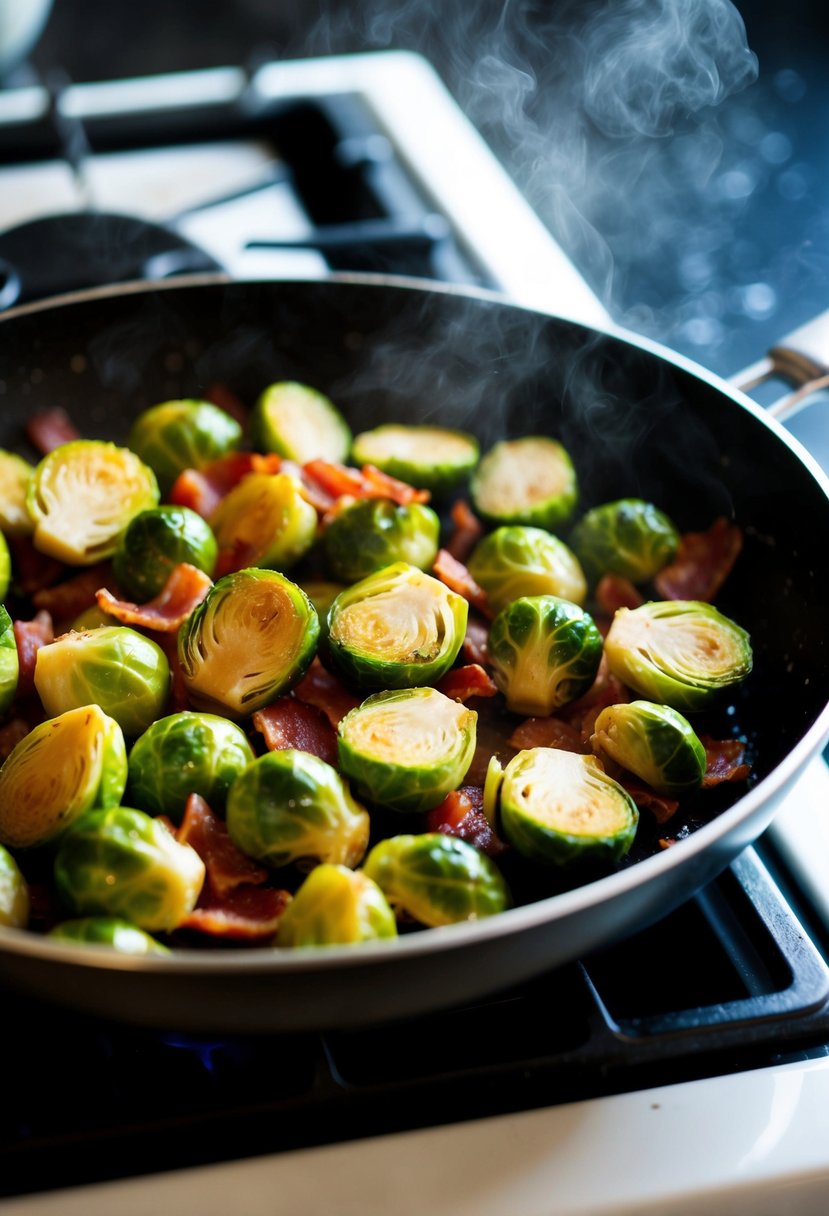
456,577
33,570
547,732
724,761
661,808
461,814
48,429
467,530
184,590
605,690
74,595
614,592
474,647
29,637
461,683
702,564
248,914
289,723
203,489
227,867
333,480
319,687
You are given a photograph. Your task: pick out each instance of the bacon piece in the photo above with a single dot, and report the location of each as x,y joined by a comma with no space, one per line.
227,866
724,761
333,480
467,530
33,570
184,590
702,564
289,723
11,734
614,592
48,429
203,489
461,683
605,690
29,637
74,595
474,646
248,914
454,575
547,732
661,808
319,687
461,814
237,556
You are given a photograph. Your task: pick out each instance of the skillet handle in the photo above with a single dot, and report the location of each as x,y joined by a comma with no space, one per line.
801,360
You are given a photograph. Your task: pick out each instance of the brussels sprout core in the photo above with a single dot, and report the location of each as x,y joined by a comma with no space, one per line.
250,639
299,423
678,652
437,879
432,457
526,481
289,806
83,495
120,862
14,894
654,742
630,538
62,768
333,906
559,807
396,628
545,652
515,561
115,667
407,749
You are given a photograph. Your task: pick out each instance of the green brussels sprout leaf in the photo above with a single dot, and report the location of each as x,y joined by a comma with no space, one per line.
109,931
336,906
299,423
374,532
630,537
155,542
654,742
179,435
15,476
515,561
266,517
9,660
433,458
14,893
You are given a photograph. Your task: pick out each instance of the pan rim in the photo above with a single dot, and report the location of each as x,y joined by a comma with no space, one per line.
549,911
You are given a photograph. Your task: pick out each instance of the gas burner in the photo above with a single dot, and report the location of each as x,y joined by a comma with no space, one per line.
61,253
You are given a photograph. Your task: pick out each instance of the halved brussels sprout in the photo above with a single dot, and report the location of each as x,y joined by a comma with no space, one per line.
61,769
251,639
514,561
630,537
9,661
526,481
682,653
178,435
5,567
336,906
299,423
407,749
186,753
437,879
559,807
83,495
15,475
120,862
111,931
266,517
433,458
14,893
396,628
374,532
116,667
155,542
654,742
291,806
544,652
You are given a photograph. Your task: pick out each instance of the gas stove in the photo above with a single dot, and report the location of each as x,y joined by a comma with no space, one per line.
689,1066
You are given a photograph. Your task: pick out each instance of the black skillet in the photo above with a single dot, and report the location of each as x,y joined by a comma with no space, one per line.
637,420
